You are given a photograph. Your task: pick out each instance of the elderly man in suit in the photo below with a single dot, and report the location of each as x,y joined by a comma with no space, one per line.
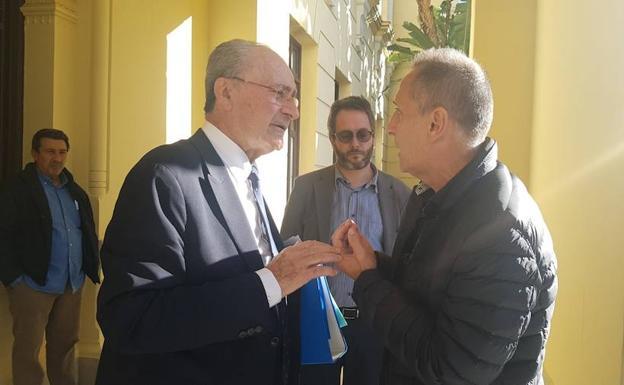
321,201
195,277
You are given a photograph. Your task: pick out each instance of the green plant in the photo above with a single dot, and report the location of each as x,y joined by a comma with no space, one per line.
445,26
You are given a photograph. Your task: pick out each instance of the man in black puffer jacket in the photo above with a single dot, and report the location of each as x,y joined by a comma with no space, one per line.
468,294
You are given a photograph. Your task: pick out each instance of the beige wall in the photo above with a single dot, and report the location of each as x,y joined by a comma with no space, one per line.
508,59
112,88
504,44
98,70
402,11
576,176
555,68
137,111
57,71
390,154
559,98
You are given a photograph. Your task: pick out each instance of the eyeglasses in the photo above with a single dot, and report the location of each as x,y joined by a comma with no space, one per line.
363,135
283,94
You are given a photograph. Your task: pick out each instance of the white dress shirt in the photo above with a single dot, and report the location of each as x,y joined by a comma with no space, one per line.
239,168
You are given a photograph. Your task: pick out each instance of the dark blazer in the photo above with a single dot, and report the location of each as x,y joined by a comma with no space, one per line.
308,212
181,302
468,295
26,228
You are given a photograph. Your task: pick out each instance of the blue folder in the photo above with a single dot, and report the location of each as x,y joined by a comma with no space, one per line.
322,341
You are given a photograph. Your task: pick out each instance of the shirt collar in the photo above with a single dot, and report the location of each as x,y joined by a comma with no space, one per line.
484,161
421,187
233,157
372,183
47,180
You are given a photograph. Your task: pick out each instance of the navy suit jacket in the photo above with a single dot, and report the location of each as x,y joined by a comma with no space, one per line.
180,302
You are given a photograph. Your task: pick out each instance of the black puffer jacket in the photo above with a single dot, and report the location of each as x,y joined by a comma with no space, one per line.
26,228
470,291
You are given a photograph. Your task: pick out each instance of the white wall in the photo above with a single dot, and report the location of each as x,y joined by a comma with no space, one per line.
346,44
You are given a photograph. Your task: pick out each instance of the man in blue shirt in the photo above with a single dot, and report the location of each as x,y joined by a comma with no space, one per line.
321,201
47,246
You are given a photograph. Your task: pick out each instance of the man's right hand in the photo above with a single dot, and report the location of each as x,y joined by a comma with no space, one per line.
357,253
298,264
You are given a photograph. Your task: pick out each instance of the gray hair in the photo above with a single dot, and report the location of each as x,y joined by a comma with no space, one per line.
227,60
446,77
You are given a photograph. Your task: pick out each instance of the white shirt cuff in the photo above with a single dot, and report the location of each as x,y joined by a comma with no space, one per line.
271,287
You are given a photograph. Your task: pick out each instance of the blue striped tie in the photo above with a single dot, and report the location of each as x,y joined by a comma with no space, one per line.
266,229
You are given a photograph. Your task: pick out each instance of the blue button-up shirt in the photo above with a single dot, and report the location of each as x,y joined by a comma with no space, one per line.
362,205
66,254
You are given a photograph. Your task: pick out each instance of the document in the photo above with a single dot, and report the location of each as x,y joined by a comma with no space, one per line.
322,341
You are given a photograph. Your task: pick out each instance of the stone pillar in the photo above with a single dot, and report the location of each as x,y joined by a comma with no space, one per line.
98,161
90,335
42,20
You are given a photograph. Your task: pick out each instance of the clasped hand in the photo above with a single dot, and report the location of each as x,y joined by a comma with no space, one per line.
298,264
350,252
357,253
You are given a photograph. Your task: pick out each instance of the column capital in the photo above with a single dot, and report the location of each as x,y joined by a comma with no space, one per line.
44,11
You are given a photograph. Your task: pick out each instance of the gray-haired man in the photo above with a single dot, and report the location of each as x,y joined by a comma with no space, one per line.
469,292
195,277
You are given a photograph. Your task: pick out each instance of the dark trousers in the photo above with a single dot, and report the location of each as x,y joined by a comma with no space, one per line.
361,365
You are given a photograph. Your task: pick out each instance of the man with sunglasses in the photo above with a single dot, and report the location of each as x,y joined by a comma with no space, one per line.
195,274
321,201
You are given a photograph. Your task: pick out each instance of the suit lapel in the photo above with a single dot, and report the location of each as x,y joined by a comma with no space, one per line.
225,196
32,179
323,193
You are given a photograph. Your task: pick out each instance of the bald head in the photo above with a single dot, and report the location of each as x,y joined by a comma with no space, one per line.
445,77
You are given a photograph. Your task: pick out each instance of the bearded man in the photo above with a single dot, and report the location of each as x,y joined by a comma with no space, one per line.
321,201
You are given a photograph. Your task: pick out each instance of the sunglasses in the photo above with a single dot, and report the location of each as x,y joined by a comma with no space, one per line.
363,135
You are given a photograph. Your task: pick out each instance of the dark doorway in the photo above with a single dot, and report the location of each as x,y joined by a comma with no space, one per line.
11,87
